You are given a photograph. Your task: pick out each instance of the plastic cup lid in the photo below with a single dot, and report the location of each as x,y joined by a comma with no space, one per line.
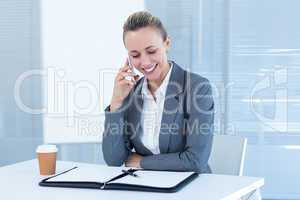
46,148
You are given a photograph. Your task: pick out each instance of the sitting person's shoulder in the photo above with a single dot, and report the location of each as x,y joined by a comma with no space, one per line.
195,79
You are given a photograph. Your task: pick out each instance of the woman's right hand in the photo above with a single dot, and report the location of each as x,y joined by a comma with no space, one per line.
122,87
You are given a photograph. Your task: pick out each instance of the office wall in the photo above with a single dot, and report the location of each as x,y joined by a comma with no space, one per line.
245,48
19,51
82,50
264,64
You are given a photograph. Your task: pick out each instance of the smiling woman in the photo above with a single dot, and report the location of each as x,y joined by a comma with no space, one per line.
157,122
147,50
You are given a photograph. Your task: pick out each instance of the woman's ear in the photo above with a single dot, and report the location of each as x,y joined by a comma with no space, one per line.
168,43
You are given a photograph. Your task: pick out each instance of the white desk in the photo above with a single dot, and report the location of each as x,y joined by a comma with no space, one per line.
20,181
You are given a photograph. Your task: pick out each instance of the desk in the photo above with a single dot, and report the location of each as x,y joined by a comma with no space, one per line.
20,181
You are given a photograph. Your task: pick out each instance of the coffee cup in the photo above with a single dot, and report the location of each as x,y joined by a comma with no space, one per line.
46,155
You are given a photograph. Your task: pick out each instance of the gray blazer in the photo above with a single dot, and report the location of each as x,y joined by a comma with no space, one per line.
186,131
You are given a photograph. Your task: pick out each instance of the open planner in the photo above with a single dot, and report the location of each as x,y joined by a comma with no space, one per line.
116,178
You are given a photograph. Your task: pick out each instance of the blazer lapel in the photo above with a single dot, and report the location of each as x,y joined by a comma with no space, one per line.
136,120
171,106
136,112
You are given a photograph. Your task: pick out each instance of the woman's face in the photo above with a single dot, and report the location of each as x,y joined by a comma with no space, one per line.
148,52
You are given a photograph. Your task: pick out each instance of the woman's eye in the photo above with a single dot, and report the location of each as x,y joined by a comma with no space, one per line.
135,56
152,52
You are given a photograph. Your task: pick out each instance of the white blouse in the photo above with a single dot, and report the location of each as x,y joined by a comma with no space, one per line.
152,113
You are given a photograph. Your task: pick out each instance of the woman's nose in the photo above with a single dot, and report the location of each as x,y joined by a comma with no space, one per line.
145,61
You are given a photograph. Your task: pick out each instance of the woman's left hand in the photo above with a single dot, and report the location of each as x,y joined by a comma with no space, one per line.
134,160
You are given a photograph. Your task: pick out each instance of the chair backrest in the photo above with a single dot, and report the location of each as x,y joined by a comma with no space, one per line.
228,155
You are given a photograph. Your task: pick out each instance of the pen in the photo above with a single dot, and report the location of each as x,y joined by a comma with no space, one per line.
131,173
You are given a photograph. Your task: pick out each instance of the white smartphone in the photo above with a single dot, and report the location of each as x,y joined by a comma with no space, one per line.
133,70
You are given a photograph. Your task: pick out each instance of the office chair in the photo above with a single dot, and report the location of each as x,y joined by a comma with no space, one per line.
228,155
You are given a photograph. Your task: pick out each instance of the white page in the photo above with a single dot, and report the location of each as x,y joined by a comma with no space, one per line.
89,174
162,179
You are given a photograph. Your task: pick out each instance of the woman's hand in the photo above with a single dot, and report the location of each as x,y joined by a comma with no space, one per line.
122,87
134,160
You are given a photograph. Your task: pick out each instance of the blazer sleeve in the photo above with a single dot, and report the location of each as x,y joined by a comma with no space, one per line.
199,136
116,145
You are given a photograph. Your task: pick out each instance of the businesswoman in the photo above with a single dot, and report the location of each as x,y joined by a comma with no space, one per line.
163,120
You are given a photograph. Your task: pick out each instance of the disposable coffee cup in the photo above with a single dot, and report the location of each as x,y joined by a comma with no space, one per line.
46,155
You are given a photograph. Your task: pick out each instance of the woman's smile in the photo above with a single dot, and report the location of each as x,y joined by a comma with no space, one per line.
150,69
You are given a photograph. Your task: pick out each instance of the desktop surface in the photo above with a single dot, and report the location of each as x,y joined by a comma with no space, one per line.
20,181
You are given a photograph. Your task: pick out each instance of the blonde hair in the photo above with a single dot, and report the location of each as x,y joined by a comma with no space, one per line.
143,19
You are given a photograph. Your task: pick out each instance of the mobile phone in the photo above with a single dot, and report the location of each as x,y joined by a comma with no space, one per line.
133,70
